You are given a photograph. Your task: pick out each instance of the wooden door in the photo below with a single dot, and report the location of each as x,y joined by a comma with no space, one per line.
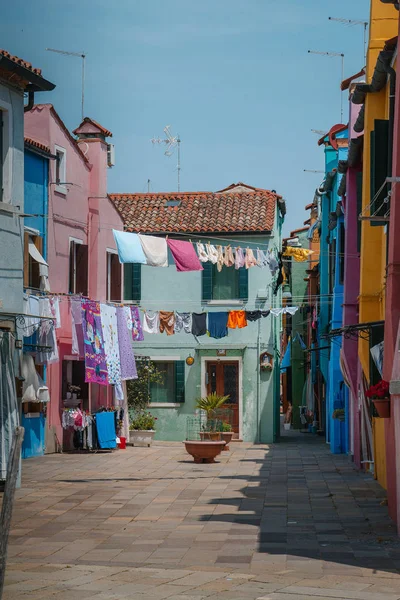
223,378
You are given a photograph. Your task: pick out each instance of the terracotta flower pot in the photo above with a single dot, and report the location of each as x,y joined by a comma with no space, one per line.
227,437
204,451
214,436
382,406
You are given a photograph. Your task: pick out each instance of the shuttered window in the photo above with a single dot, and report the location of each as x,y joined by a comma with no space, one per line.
379,170
172,387
359,180
132,282
228,284
78,268
114,278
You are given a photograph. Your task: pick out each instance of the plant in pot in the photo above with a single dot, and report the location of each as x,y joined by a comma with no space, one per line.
142,423
210,404
338,414
379,394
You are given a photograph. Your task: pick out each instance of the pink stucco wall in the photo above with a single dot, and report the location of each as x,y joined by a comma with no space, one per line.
85,213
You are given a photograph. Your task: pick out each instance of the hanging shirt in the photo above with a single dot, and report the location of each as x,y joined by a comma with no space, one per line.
129,247
199,324
111,343
262,259
201,253
217,324
167,322
151,322
155,250
183,321
184,255
272,263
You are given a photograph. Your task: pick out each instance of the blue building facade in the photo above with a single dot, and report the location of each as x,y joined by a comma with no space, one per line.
331,288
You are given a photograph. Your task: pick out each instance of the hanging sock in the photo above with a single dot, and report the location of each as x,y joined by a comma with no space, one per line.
217,324
250,260
151,322
229,259
137,331
155,250
201,252
167,322
220,259
129,247
183,321
239,258
184,255
212,253
237,319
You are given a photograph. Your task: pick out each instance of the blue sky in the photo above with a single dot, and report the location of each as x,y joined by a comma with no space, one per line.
233,77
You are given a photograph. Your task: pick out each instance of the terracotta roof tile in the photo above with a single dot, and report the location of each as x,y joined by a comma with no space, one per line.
35,144
205,212
299,230
21,62
106,132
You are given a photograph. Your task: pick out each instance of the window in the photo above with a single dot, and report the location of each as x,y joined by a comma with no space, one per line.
229,284
359,180
78,267
379,169
31,266
132,282
114,280
172,388
61,169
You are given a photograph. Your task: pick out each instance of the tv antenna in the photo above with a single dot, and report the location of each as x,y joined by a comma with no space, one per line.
171,142
331,55
352,23
318,131
81,55
312,171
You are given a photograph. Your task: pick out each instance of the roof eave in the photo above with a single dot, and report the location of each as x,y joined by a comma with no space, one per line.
37,83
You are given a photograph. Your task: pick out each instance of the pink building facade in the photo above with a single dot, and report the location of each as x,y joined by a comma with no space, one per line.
81,251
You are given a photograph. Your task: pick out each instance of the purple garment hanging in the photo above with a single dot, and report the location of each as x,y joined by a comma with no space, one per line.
126,355
78,346
137,331
95,358
184,255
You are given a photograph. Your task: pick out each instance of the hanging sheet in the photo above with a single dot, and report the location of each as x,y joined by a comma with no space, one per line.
78,346
127,357
184,255
95,358
137,331
129,247
155,250
109,325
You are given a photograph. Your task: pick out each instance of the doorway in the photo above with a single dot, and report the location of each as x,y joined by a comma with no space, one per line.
222,377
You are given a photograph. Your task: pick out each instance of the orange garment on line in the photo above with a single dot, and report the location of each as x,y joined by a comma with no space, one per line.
237,319
167,322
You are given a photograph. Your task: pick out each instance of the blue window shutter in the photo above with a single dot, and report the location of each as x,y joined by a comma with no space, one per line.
207,281
136,282
243,283
180,381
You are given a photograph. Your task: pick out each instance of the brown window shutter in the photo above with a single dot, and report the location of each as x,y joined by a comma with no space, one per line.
71,267
116,279
82,256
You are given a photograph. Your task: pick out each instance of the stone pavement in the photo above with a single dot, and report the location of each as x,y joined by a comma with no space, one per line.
283,522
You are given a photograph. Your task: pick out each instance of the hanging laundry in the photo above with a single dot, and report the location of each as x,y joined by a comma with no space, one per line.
262,259
212,253
199,324
109,324
129,247
249,259
280,277
298,254
253,315
105,426
217,324
229,259
291,310
265,313
272,263
237,319
151,321
78,346
239,258
155,250
183,320
32,323
55,311
95,358
184,255
127,357
137,331
220,259
201,252
46,335
167,322
287,357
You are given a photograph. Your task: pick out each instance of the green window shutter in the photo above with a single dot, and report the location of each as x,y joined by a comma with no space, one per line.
136,282
243,283
180,381
359,180
379,169
128,281
207,281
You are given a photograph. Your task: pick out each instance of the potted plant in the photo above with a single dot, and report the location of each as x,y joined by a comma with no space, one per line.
338,414
227,434
142,429
210,404
379,394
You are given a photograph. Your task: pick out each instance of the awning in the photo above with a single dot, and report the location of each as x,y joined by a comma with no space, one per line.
34,252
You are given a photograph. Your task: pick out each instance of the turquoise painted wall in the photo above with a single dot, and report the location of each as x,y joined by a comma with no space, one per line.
166,289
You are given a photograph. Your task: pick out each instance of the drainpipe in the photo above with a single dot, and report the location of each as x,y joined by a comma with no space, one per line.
258,383
31,101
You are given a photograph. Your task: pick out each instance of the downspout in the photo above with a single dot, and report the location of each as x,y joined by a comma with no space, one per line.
258,383
31,101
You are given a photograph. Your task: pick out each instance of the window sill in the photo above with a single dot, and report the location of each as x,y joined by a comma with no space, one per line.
60,189
165,405
6,207
226,302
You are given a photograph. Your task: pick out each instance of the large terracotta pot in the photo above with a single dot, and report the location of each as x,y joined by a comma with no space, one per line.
227,437
204,451
382,406
138,437
210,435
